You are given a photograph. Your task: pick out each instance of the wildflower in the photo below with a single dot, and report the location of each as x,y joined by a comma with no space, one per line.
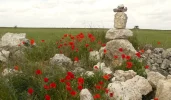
71,43
70,74
142,50
46,87
128,57
156,99
23,42
106,77
62,80
86,45
129,64
65,35
76,59
47,97
101,82
96,67
16,67
73,93
96,96
52,85
46,79
38,72
123,56
80,80
42,40
115,56
111,94
103,45
120,49
32,42
158,43
138,54
106,90
68,88
80,87
98,87
146,67
30,91
90,49
104,51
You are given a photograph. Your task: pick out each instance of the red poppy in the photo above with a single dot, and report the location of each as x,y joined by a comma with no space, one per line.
95,67
98,87
71,43
142,50
104,51
96,96
42,40
62,80
47,97
106,77
158,42
38,72
90,35
52,85
138,54
90,49
86,45
146,67
106,90
129,65
76,59
32,42
103,45
80,87
73,93
80,80
156,99
65,35
30,91
70,74
120,49
115,57
46,87
128,57
16,67
111,94
46,79
101,82
123,56
68,88
23,42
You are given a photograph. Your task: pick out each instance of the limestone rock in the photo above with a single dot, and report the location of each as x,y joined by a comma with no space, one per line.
132,89
4,55
85,95
60,60
154,77
94,56
164,90
120,20
166,53
118,34
89,73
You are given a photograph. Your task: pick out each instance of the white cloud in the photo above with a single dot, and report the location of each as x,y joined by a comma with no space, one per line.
152,14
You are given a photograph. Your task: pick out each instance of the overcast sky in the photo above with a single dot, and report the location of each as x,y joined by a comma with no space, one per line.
147,14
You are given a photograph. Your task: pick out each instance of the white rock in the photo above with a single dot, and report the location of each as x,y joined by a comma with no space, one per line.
60,60
12,39
85,95
118,33
132,89
107,70
89,73
121,75
4,55
94,56
101,52
120,20
164,90
79,70
8,71
121,6
169,77
102,67
154,77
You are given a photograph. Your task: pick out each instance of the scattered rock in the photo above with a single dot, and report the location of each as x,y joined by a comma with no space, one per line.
60,60
94,56
4,55
8,71
85,95
79,70
89,73
120,20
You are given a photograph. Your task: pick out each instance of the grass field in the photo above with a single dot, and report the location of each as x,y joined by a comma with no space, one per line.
53,34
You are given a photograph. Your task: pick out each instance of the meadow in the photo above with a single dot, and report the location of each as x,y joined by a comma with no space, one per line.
144,36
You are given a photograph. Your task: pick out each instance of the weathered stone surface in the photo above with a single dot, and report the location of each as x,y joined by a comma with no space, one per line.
94,56
166,53
154,77
8,71
132,89
121,75
113,46
118,34
165,64
85,95
164,90
79,70
12,39
4,55
102,67
89,73
60,60
120,20
101,51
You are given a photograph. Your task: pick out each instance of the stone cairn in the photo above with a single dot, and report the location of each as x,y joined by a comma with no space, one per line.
118,36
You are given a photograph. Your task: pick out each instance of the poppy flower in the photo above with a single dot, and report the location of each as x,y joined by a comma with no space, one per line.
70,74
90,49
65,35
146,67
106,77
80,80
156,99
142,50
42,40
47,97
103,45
46,87
76,59
52,85
115,56
86,45
138,54
46,79
98,87
80,87
104,51
71,43
30,91
32,42
129,65
128,57
38,72
73,93
62,80
23,42
16,67
96,96
121,49
106,90
111,94
123,56
68,88
96,67
158,42
101,82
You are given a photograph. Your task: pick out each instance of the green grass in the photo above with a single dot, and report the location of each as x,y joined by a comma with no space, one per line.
144,36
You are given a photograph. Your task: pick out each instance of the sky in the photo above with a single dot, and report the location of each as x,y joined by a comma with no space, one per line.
147,14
